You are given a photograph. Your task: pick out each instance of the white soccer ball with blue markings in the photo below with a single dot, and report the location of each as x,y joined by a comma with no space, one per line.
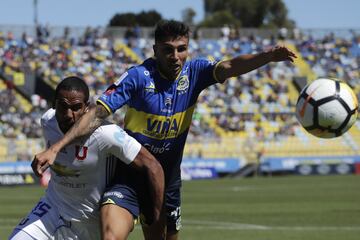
327,108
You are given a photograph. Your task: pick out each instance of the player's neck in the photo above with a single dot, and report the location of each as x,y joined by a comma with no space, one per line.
166,76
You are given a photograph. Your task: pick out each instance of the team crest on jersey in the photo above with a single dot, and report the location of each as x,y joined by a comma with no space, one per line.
183,83
80,152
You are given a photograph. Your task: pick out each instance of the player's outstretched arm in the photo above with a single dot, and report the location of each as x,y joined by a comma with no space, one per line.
88,123
246,63
147,163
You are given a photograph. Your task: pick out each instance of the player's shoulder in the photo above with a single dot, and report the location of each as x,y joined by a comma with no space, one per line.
147,68
49,114
106,125
148,65
201,62
107,129
48,117
138,72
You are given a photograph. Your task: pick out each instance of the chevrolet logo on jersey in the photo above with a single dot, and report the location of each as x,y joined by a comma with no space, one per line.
63,171
157,126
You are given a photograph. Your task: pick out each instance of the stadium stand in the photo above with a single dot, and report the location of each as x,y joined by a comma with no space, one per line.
250,118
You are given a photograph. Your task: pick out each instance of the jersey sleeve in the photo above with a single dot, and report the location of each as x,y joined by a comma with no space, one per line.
114,140
44,131
205,71
120,92
45,121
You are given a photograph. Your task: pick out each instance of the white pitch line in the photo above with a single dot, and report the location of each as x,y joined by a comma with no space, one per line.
199,224
224,225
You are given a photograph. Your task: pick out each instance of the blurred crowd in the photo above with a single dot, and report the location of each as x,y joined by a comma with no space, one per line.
252,103
14,121
333,57
94,56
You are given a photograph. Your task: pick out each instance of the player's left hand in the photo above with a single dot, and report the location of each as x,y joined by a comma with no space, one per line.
282,53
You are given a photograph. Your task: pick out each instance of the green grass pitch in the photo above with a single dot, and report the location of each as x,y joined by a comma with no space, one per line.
270,208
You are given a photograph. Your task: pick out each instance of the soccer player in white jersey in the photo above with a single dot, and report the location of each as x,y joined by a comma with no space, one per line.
82,171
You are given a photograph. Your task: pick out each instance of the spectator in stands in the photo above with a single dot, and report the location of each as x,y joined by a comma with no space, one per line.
16,123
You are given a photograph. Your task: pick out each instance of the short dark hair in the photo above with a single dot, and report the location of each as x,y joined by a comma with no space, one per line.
73,83
172,29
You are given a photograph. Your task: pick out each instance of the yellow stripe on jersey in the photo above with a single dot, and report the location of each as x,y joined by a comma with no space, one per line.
105,105
156,126
214,74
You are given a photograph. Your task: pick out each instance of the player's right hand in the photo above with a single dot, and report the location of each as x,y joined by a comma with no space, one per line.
42,161
282,53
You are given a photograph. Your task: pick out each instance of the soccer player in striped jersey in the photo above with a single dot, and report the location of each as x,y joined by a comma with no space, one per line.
161,95
81,172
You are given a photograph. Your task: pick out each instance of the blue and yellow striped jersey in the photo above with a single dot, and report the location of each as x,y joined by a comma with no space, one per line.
160,111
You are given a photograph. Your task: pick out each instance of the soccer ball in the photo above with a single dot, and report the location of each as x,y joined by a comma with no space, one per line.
327,108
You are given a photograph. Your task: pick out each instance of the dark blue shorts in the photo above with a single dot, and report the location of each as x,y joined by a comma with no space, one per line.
137,201
122,196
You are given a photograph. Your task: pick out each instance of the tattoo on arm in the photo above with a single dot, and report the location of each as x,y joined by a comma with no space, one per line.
101,112
100,115
87,124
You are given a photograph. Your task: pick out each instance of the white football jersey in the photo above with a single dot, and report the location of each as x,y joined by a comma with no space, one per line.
82,170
